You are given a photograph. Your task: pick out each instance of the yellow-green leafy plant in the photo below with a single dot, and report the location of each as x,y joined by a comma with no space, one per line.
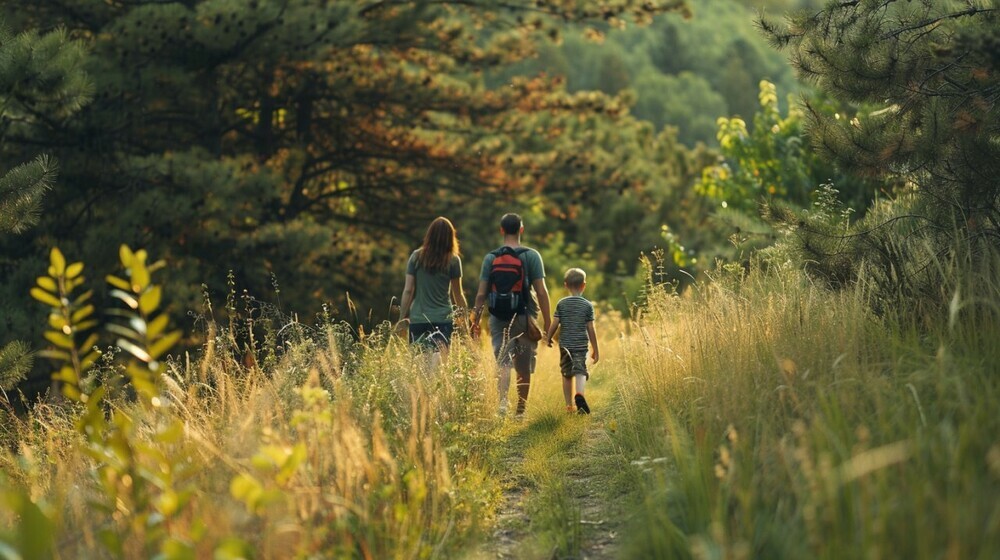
71,323
140,462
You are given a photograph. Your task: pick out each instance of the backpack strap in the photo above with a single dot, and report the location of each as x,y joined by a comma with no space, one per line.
519,253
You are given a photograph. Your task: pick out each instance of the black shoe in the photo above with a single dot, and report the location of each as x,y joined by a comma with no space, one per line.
581,405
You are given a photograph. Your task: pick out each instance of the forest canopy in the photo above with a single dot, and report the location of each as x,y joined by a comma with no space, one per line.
319,137
294,151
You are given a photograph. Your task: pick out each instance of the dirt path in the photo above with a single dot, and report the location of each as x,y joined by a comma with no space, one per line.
556,474
591,529
512,524
601,521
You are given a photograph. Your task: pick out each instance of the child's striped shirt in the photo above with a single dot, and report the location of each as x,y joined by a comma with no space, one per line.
574,312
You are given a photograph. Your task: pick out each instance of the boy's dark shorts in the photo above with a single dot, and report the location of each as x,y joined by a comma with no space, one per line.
431,335
573,362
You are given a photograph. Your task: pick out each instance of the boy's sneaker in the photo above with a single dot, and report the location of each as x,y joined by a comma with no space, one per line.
581,405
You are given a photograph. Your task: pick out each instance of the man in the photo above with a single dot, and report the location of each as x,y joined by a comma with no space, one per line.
511,346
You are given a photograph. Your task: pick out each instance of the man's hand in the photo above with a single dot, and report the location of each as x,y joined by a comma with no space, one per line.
548,340
474,330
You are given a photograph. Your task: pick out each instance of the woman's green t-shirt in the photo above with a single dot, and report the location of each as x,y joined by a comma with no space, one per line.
432,295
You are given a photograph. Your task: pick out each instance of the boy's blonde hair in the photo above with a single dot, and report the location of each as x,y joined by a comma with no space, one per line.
575,278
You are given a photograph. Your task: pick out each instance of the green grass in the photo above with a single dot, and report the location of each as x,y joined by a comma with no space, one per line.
758,417
338,449
781,420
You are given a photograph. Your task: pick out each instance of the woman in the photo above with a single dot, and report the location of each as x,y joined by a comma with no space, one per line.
433,273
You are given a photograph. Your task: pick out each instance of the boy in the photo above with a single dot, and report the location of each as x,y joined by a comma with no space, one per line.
576,316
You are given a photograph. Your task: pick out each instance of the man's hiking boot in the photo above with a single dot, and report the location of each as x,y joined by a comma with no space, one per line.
581,405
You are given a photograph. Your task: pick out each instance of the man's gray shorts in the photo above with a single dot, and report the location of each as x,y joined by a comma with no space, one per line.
511,346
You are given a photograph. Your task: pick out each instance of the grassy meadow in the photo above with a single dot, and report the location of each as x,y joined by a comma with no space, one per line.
331,447
754,416
766,417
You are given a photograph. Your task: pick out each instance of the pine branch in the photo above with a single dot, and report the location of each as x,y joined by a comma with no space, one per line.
21,190
16,360
971,11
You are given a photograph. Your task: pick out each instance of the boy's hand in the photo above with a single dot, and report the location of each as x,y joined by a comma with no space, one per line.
474,330
595,355
549,341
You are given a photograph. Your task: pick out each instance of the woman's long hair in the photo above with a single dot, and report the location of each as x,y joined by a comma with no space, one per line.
440,245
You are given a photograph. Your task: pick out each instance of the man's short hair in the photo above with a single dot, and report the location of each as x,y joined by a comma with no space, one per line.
575,278
511,224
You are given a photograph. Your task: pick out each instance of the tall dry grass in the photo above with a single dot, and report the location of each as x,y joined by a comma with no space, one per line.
766,417
336,448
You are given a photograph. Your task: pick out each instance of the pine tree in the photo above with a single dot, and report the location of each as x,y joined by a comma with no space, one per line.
930,73
41,83
314,139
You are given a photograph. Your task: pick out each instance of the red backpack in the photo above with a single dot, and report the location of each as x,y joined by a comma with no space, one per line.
509,288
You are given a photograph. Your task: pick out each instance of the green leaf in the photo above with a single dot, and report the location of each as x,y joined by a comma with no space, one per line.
82,313
55,355
161,346
90,342
142,383
125,297
74,270
133,348
291,464
167,503
66,373
156,326
59,339
117,282
124,331
82,298
247,489
140,276
89,360
232,548
86,325
70,391
149,301
33,532
47,284
176,549
57,321
45,297
58,261
126,256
